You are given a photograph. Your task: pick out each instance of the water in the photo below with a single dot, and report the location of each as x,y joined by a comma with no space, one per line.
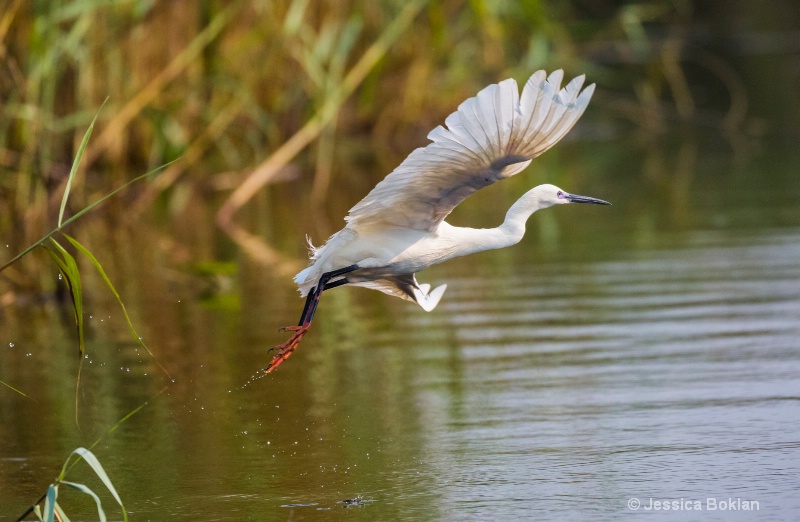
675,380
644,351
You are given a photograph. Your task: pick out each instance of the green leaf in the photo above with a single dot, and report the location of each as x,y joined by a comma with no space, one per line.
103,274
85,489
75,163
69,270
90,459
61,515
16,390
50,503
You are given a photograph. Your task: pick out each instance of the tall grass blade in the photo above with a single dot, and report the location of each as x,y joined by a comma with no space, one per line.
85,489
69,270
62,517
50,503
110,285
294,17
16,390
92,461
75,163
121,187
131,414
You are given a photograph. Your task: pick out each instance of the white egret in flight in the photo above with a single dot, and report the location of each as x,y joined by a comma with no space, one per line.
398,229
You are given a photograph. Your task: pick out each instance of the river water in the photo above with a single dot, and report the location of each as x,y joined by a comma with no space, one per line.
634,361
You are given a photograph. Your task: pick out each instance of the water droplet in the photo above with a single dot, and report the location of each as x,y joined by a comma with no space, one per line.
10,345
60,277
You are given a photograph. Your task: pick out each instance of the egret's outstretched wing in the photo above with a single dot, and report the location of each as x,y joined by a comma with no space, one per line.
490,137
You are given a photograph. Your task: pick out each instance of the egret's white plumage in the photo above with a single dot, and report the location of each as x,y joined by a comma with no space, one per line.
398,229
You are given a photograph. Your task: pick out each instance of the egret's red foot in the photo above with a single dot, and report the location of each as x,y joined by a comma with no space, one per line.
285,349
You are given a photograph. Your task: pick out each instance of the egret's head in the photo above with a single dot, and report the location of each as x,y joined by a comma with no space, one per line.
552,195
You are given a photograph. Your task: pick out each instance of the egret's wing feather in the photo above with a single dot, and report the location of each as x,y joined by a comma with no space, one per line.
490,137
406,287
387,287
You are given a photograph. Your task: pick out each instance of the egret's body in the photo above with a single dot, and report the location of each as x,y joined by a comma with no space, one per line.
398,229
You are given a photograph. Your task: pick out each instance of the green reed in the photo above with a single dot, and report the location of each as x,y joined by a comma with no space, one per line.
66,262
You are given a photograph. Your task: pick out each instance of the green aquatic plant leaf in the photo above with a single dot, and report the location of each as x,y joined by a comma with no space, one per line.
69,271
110,285
93,463
62,517
47,513
75,164
14,389
85,489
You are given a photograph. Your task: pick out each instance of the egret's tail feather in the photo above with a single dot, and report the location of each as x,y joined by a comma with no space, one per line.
312,250
301,276
428,301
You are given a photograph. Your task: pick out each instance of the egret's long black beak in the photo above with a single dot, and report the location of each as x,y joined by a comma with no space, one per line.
574,198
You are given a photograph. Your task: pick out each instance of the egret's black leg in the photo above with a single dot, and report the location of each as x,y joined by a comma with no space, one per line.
311,303
340,282
323,284
310,308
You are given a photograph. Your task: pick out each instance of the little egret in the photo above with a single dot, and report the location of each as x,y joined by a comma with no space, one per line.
398,229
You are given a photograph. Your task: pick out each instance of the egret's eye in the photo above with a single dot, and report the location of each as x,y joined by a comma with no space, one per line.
561,195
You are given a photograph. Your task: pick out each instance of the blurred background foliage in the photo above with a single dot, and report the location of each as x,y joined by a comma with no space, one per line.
218,86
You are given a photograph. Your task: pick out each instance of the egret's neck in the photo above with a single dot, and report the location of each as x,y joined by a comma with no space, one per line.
472,240
513,227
